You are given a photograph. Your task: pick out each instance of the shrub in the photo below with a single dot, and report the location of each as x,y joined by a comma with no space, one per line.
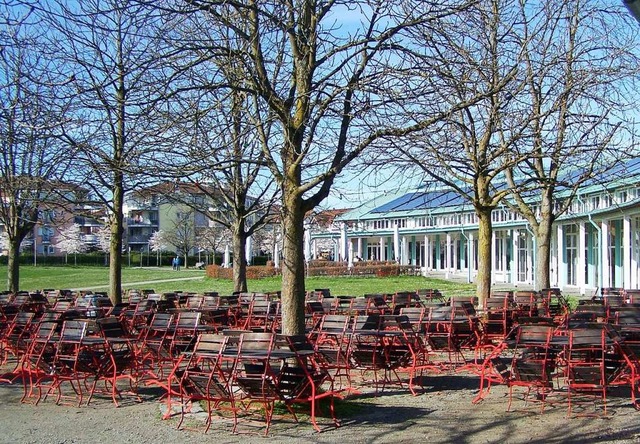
218,272
253,272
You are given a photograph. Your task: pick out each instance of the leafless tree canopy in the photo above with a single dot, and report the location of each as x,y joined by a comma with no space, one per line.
31,160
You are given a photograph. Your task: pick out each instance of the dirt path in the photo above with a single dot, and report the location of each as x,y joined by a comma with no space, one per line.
442,413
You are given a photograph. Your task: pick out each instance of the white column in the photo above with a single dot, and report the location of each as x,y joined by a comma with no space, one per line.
343,242
634,255
471,261
276,255
248,249
360,255
404,251
493,257
515,263
426,252
383,250
447,255
350,254
626,251
227,257
307,245
561,268
454,252
582,259
604,255
396,243
314,248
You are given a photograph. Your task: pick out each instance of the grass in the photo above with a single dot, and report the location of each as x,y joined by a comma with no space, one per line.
97,278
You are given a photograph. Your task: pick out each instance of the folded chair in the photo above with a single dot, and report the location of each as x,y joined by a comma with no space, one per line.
256,374
587,371
306,380
206,378
532,364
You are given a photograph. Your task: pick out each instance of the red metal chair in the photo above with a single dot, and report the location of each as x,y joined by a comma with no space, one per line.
533,363
307,380
38,362
586,369
72,364
205,378
154,357
332,340
256,374
16,336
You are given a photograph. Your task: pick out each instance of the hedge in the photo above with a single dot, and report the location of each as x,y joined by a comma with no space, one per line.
378,269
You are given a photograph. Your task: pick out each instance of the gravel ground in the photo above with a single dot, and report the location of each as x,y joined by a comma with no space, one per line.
442,413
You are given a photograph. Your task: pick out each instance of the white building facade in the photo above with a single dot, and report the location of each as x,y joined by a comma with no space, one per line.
596,244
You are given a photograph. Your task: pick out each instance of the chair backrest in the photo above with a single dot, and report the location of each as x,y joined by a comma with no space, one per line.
194,302
62,306
531,334
211,344
632,296
315,307
161,321
335,324
111,327
188,320
502,294
371,321
627,316
257,341
73,330
415,315
23,319
496,304
49,316
260,307
444,313
156,297
324,292
45,330
590,337
210,301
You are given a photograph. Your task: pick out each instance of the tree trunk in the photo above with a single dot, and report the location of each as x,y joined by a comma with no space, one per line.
483,281
543,255
293,290
115,247
13,266
239,258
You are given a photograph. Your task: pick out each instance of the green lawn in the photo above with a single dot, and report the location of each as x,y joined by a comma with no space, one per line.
97,278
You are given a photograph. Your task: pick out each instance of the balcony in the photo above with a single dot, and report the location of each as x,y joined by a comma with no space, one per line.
87,221
90,239
141,222
141,239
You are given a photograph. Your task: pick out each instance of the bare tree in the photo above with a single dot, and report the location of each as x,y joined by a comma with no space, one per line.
109,50
576,66
320,78
31,162
475,54
552,80
211,238
182,234
225,162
